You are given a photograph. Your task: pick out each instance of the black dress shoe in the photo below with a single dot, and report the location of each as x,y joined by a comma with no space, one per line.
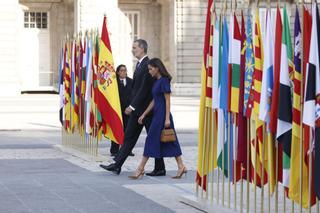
161,172
112,168
131,154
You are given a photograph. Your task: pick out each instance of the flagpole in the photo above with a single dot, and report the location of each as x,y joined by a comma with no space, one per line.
248,163
301,105
309,152
212,112
234,143
203,151
207,149
223,172
212,153
229,161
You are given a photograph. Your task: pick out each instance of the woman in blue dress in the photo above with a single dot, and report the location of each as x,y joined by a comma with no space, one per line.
161,119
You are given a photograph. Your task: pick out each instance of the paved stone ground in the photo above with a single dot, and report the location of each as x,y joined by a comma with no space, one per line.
35,176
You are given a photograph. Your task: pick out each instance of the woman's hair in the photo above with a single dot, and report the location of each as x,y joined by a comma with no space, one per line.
118,69
156,62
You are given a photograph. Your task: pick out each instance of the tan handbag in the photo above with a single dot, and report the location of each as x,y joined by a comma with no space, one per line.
168,135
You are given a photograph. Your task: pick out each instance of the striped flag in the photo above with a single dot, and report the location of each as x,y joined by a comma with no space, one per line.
67,86
204,165
108,94
60,86
234,61
284,125
256,139
295,178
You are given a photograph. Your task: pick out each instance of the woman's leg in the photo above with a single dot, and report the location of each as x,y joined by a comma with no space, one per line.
179,162
142,164
181,168
140,170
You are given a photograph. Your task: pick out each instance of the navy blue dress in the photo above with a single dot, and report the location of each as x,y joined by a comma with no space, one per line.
153,147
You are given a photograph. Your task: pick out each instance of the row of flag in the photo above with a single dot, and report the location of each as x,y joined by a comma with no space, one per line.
252,90
88,88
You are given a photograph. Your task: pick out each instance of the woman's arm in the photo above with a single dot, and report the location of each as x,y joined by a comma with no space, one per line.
149,108
146,112
167,98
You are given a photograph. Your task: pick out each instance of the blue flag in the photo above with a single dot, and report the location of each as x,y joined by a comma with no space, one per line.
224,67
249,65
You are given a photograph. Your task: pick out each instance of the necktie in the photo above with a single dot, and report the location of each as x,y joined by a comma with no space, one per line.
137,66
121,82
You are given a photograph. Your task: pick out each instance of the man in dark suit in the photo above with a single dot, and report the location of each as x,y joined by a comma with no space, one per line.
141,98
125,90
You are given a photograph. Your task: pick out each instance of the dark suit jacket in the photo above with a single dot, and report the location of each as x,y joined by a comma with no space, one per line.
141,88
125,93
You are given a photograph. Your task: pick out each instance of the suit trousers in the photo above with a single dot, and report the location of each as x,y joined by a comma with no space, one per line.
114,148
131,136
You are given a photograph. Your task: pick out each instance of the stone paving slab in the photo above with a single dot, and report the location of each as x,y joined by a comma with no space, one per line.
44,185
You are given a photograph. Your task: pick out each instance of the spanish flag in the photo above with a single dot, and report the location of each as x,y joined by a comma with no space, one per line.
108,101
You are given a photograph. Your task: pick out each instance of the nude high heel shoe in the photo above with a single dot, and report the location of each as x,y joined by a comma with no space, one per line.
137,175
180,173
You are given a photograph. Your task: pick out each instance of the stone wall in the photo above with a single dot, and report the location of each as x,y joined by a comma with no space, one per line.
150,23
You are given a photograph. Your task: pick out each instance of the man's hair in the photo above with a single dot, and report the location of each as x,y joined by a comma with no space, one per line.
142,44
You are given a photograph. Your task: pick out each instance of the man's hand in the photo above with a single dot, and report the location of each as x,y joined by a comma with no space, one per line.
128,111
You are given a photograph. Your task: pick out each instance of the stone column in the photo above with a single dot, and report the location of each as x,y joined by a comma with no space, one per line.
167,39
9,25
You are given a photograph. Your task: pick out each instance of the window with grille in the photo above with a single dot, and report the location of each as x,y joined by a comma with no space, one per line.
134,19
36,20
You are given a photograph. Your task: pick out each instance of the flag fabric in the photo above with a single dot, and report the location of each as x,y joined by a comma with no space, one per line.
314,68
267,77
234,61
107,93
312,87
266,96
224,66
317,104
284,125
295,161
216,64
60,86
88,88
258,142
67,86
276,77
241,119
249,68
205,104
222,160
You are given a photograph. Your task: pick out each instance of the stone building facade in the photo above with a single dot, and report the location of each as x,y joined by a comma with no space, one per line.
32,33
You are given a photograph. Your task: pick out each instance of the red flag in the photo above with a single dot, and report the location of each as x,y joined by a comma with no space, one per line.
242,121
206,95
